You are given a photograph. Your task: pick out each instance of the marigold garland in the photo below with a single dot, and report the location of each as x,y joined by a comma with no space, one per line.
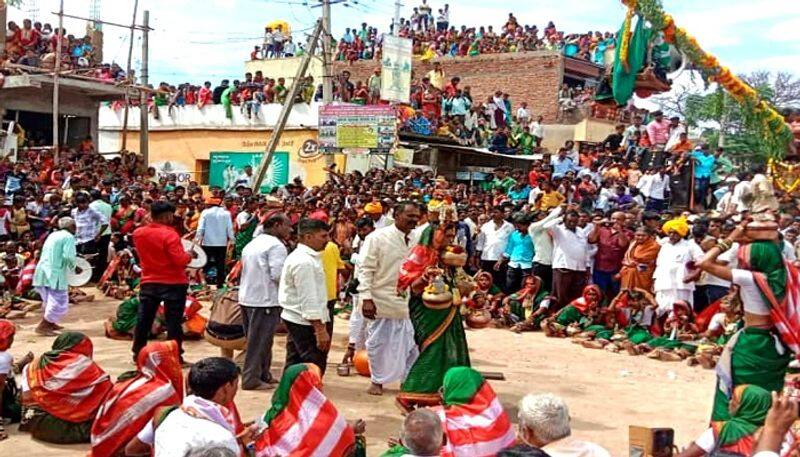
775,129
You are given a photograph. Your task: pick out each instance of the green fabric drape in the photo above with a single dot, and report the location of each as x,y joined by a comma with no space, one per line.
446,351
63,342
127,313
754,361
281,396
460,385
242,238
753,406
568,315
622,81
396,451
766,257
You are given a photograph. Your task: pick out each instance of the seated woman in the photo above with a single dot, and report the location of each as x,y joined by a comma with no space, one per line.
670,347
120,326
485,283
721,327
519,305
580,313
469,401
629,321
299,384
157,382
739,434
62,390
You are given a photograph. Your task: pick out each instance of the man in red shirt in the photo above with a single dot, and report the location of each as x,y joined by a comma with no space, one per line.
163,261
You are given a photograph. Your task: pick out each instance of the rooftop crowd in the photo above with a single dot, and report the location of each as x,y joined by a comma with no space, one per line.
434,36
34,45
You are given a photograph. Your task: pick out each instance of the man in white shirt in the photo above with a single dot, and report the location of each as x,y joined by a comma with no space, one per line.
262,262
670,272
493,241
214,232
544,422
654,187
202,420
570,259
543,245
390,336
303,295
537,130
245,178
523,115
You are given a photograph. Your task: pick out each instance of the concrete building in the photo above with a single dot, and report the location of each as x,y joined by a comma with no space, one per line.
28,101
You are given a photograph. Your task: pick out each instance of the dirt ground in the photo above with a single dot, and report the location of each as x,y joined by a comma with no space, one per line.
605,392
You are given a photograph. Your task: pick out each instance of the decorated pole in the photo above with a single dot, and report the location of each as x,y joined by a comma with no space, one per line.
774,128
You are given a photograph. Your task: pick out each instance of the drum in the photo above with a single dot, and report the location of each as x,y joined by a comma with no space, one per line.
82,273
200,260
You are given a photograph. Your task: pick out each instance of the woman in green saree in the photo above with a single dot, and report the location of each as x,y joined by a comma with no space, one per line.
434,311
739,434
757,354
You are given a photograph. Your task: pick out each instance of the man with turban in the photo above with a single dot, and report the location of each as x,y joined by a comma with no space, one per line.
671,266
374,211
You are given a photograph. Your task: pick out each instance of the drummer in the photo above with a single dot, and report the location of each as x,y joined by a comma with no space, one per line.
50,278
163,261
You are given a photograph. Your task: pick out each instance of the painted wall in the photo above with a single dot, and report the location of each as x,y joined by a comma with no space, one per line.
184,148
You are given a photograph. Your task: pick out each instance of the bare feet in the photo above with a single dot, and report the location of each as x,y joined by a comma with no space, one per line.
45,329
375,389
261,386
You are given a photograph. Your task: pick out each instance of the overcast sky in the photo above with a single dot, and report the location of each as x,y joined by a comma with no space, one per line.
195,40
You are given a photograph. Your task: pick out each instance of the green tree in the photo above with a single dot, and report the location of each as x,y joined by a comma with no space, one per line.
725,122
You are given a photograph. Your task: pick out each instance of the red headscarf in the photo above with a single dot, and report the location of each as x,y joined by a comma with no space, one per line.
7,331
584,303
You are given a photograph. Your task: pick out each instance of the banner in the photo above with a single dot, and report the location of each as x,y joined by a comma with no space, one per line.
226,169
353,126
396,69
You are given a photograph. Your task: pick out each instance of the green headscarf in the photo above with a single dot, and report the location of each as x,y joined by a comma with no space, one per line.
767,257
460,385
749,417
64,342
281,397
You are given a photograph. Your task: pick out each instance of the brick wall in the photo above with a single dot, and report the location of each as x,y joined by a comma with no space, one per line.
533,77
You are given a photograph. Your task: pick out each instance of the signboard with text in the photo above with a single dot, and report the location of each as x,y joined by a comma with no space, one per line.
226,170
371,127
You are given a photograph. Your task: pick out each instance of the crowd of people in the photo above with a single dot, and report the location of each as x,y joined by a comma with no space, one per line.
34,45
433,36
583,245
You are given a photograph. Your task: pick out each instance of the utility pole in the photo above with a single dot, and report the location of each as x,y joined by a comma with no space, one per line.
144,128
59,38
327,66
127,75
275,136
396,20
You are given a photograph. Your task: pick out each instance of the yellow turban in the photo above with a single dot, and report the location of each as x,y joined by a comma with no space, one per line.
679,225
373,208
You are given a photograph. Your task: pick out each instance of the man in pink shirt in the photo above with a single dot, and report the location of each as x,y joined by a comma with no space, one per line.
658,130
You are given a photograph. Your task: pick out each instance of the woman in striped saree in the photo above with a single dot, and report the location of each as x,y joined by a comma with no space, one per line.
62,391
157,382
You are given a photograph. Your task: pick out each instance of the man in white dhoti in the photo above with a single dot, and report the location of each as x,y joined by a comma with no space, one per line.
671,266
390,336
50,279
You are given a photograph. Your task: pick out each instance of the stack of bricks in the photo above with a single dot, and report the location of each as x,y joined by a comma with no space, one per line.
533,77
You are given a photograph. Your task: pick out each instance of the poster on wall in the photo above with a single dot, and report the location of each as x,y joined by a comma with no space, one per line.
396,69
351,126
226,169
